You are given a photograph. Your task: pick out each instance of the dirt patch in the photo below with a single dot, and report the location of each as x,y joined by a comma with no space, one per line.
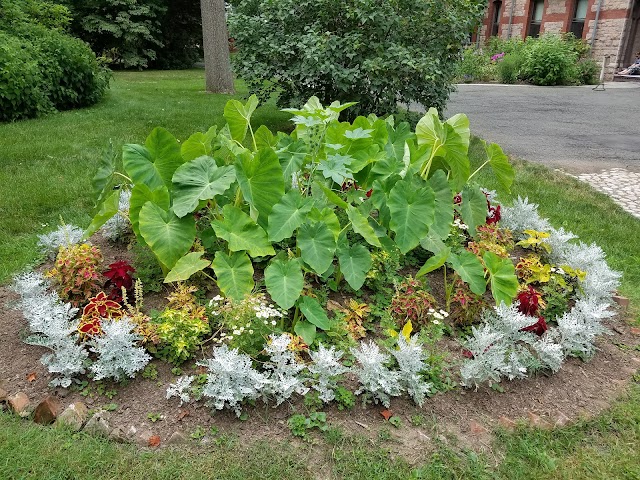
464,417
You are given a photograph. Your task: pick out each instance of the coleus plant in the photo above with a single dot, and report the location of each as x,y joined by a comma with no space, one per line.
224,200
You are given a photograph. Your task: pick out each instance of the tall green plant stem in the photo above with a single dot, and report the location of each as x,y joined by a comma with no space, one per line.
424,173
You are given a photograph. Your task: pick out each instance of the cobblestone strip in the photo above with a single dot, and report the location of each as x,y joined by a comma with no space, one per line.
620,184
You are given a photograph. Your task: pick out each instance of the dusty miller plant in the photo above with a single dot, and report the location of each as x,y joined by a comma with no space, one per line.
52,326
411,358
117,350
65,235
231,379
375,377
118,226
181,389
283,379
326,370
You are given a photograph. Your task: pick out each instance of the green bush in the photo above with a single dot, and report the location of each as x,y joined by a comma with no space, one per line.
588,72
499,45
475,65
509,68
43,68
21,82
378,53
549,61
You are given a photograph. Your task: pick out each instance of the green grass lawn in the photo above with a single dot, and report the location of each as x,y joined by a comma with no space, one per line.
45,169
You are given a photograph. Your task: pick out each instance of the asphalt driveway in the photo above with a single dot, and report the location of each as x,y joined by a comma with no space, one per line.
571,128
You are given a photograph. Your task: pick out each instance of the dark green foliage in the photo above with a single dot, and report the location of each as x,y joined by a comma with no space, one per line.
181,35
375,53
126,32
509,68
43,68
549,61
588,71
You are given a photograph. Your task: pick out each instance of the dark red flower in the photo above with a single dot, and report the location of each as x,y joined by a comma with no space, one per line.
494,215
538,328
467,353
369,193
457,199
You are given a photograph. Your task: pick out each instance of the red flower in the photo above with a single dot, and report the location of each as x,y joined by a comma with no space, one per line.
457,199
369,193
494,215
538,328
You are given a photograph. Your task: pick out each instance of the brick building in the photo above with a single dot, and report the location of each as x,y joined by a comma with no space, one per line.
611,27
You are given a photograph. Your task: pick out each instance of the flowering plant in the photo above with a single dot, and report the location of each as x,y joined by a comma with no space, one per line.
245,325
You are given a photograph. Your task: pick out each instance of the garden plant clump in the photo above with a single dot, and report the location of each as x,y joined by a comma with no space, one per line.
321,263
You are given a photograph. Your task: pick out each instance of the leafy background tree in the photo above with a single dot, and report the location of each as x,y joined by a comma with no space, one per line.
181,29
377,53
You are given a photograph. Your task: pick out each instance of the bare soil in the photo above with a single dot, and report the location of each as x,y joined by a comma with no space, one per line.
459,417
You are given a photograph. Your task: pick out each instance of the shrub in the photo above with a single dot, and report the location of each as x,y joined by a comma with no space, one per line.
475,66
375,53
509,68
549,61
588,71
44,68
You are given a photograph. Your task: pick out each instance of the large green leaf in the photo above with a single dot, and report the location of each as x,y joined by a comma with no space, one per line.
141,194
317,246
443,215
261,181
361,226
499,162
284,281
397,139
503,280
435,262
328,217
473,208
198,145
355,262
432,243
264,137
332,196
108,209
187,266
305,330
448,141
291,155
199,179
155,163
102,180
412,212
287,215
168,236
470,269
238,117
234,274
314,312
242,233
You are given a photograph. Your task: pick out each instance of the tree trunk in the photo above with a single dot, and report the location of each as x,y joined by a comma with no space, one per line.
217,65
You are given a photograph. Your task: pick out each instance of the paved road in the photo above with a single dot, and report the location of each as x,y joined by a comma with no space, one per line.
571,128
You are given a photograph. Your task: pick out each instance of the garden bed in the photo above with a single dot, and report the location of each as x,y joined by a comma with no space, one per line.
380,269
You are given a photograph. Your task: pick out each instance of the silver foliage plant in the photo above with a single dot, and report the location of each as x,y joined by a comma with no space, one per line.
500,349
325,371
231,379
117,350
283,379
181,389
411,358
52,325
375,377
64,236
118,226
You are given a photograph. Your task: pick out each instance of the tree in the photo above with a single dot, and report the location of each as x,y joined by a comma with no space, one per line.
217,64
377,53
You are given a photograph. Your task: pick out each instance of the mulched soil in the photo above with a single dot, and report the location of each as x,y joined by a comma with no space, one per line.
459,417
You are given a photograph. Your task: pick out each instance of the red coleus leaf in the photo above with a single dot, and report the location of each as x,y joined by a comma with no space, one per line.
529,301
120,274
538,328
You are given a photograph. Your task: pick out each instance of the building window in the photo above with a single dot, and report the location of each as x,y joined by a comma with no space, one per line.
537,9
495,18
579,16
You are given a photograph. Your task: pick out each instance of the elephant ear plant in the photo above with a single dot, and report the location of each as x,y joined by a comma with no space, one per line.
310,205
